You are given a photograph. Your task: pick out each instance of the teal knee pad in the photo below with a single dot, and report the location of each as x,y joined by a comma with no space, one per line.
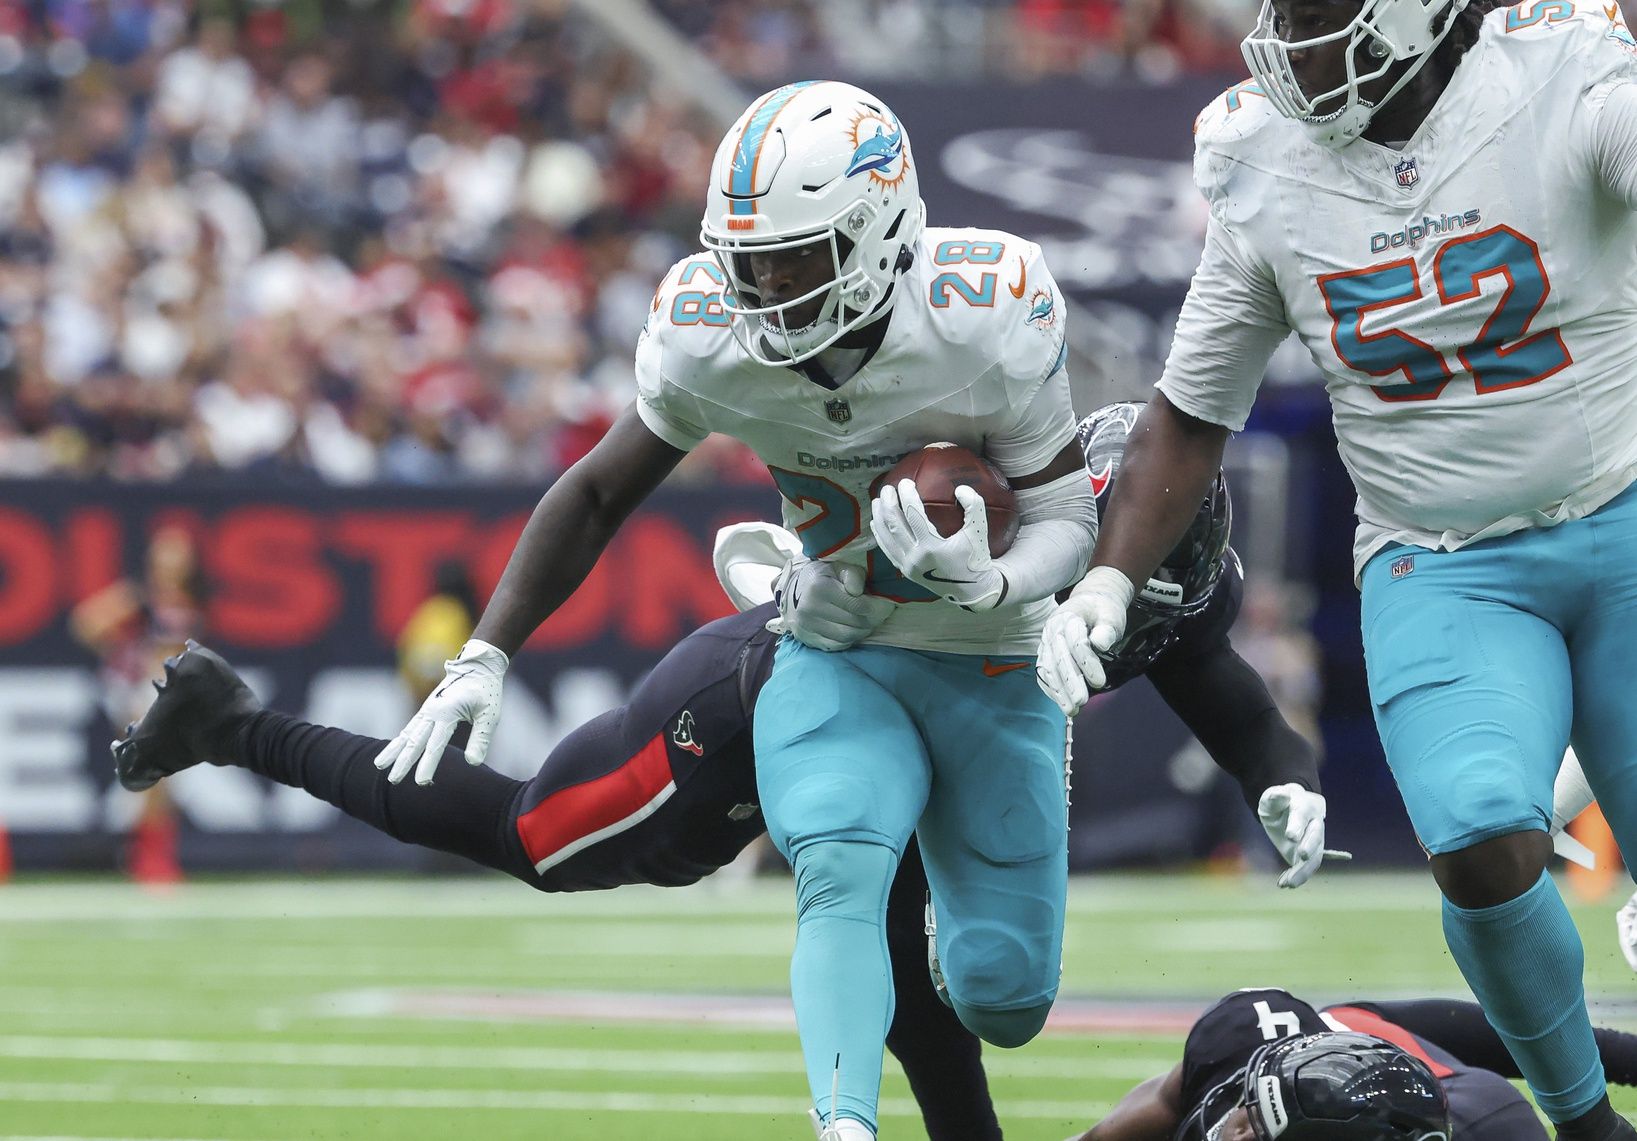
1005,1028
1000,987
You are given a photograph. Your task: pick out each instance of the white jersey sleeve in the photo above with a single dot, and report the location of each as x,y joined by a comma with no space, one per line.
1034,354
688,299
1614,139
1231,322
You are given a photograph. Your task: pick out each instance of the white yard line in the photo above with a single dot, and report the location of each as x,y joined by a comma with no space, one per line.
81,1137
692,1063
540,1100
273,900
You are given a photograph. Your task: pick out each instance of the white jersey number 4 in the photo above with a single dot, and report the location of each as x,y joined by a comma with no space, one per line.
1276,1024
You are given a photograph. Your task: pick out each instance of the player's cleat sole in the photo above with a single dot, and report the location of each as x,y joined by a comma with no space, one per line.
201,706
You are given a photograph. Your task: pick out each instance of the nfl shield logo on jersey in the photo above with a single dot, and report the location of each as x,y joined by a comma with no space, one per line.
838,410
1406,173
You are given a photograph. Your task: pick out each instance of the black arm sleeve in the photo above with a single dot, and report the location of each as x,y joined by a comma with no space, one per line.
1462,1029
1227,706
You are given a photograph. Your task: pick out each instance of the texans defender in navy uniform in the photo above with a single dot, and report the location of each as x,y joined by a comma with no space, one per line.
1369,1071
663,789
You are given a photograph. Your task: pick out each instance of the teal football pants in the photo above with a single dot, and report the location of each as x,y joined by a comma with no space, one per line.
854,750
1483,664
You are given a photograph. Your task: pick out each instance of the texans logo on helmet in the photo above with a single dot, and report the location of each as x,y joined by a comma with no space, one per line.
1100,479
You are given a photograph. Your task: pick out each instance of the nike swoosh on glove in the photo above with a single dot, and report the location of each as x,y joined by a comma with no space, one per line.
470,691
823,604
956,568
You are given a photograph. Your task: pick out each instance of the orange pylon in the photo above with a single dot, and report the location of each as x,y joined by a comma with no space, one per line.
1592,830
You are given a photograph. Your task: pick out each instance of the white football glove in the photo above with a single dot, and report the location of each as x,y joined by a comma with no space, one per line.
823,604
1294,820
1088,622
470,691
1625,922
958,568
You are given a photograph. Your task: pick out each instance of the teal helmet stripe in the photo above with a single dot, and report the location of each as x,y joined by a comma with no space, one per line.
741,184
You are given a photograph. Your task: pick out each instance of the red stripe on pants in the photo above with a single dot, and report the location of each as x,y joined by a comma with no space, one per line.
1365,1022
580,810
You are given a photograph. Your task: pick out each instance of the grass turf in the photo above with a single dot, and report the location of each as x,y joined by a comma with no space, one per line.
280,1009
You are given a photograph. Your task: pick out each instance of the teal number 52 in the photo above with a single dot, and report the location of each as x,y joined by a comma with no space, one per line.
1504,355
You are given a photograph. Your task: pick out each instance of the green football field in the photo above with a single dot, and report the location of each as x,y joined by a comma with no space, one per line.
476,1009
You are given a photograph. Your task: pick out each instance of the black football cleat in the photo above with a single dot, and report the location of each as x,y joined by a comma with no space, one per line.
201,706
1600,1124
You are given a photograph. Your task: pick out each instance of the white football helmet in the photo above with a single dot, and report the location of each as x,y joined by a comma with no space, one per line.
1388,31
812,162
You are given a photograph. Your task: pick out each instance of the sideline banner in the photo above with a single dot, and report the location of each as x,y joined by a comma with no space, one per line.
307,589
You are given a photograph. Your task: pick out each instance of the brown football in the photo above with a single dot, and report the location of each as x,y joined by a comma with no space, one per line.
938,469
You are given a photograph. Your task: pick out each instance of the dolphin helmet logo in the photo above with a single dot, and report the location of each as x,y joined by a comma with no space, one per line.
879,150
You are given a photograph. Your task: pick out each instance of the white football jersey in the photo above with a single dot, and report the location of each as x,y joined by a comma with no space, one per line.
1470,298
973,354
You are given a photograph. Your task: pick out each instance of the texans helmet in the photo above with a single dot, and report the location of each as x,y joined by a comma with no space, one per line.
1342,1087
1187,576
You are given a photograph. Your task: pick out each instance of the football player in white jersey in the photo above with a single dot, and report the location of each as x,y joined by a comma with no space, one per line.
1437,198
833,333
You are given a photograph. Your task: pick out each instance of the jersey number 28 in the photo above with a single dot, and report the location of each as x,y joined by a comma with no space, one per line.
837,520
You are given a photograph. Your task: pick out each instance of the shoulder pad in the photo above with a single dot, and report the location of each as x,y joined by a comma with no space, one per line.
687,314
992,290
1238,113
1221,131
1545,35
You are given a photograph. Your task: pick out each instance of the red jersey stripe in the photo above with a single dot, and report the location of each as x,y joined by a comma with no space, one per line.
1365,1022
574,818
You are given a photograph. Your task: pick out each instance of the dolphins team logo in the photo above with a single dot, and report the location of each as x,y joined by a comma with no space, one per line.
1042,309
1618,32
878,150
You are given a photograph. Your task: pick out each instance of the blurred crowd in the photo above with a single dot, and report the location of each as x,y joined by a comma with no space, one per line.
407,240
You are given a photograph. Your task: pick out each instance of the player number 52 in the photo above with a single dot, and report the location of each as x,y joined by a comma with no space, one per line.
1504,355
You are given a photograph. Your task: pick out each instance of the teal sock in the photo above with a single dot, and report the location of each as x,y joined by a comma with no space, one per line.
1524,961
840,974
